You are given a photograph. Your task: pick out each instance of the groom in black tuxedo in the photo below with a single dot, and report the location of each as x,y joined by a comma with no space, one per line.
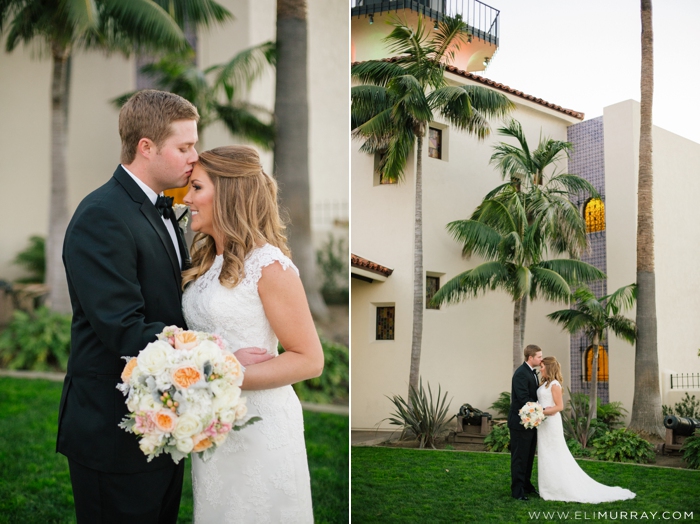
123,257
523,442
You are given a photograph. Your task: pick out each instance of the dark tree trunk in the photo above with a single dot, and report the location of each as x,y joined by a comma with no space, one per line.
418,299
292,143
59,300
646,406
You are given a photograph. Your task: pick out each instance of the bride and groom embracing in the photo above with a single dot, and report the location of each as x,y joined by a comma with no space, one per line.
127,265
558,474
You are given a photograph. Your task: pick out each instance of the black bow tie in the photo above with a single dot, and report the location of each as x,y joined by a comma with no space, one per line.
164,205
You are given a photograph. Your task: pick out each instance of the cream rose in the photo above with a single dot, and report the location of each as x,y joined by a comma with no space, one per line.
149,443
184,444
241,410
187,425
228,398
228,416
206,351
154,357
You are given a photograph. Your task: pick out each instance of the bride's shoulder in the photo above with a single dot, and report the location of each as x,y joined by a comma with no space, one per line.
264,256
554,382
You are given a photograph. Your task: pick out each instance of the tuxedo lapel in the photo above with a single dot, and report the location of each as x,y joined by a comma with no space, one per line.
151,214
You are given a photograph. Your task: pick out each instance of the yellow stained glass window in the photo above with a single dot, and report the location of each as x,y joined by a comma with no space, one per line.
602,364
594,214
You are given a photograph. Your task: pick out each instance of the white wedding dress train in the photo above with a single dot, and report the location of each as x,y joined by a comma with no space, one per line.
559,476
260,474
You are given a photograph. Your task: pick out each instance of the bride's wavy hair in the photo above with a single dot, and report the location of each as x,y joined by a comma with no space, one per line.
245,212
553,368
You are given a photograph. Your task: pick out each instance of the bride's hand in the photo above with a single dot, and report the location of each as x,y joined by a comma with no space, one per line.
249,356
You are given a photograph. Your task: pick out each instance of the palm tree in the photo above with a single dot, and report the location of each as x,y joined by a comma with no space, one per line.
213,91
64,26
393,108
646,406
594,316
292,142
514,247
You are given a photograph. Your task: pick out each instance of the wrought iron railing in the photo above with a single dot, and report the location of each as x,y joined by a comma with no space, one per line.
685,381
481,19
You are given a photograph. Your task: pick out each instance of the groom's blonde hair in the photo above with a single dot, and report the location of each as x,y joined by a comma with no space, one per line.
148,114
531,350
245,213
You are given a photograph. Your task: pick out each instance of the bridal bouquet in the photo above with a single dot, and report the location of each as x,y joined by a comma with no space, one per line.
531,415
183,394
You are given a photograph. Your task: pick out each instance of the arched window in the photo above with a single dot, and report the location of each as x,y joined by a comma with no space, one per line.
602,364
594,214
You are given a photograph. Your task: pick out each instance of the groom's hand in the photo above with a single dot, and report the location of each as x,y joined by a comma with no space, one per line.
249,356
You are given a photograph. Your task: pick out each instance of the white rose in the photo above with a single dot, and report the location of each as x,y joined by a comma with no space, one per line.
149,443
219,387
187,425
227,399
241,410
219,439
228,416
206,350
154,358
184,444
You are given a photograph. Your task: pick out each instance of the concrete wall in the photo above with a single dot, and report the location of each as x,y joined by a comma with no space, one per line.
676,230
93,140
467,348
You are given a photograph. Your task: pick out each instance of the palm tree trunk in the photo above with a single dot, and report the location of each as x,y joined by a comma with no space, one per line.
518,356
59,300
523,317
646,406
417,335
593,404
292,142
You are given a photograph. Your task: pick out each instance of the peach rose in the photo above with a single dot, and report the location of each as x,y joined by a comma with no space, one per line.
201,442
233,366
185,376
185,340
128,370
165,421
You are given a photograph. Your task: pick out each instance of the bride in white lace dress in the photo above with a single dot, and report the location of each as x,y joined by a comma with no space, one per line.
559,475
243,286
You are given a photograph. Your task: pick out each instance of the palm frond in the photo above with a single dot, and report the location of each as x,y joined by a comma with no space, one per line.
549,284
571,320
489,275
198,12
244,68
574,271
476,238
621,299
241,119
376,72
623,327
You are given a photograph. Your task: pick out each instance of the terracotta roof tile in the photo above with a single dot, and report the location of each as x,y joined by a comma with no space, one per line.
503,87
368,265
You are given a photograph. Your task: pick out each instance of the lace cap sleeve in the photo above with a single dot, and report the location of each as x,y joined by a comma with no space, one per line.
264,256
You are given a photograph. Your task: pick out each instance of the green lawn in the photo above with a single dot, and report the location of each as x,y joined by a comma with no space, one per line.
410,485
35,484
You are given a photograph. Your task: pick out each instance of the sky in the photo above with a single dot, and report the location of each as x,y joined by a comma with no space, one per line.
586,55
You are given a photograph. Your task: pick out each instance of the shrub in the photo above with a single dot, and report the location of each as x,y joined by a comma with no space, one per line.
420,417
621,445
498,439
691,451
502,405
688,407
33,259
38,341
576,449
332,263
332,386
611,413
575,422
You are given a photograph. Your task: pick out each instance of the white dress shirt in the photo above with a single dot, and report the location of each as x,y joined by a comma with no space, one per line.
153,196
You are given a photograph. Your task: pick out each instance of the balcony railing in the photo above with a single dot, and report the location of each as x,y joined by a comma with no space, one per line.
685,381
481,19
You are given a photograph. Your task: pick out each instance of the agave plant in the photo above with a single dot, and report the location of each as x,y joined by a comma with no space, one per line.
421,417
